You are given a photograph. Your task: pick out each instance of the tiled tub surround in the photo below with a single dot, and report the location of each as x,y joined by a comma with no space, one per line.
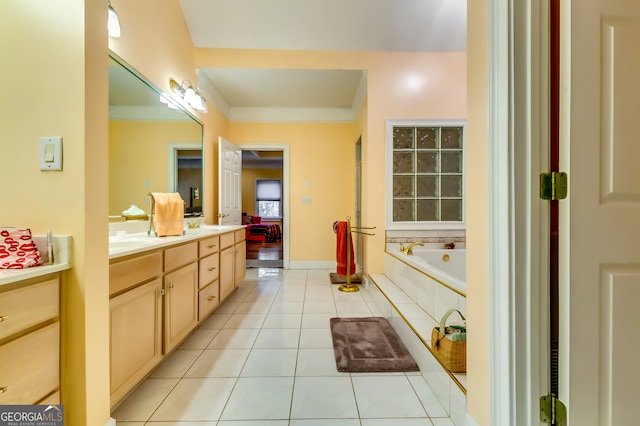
414,296
435,239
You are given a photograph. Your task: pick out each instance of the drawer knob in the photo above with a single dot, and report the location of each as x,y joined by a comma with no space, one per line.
4,318
211,298
213,245
213,268
4,389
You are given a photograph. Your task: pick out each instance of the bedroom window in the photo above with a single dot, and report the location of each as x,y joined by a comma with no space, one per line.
425,179
269,198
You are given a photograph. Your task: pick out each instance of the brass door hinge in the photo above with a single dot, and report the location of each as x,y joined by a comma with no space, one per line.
553,411
553,186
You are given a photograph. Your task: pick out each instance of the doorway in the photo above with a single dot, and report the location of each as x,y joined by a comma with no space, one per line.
185,175
267,233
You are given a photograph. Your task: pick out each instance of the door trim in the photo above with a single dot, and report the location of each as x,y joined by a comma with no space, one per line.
174,147
285,190
518,152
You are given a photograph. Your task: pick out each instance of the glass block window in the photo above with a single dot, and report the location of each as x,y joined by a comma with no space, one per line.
426,172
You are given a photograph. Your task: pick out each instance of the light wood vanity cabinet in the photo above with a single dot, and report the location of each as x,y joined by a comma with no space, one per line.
240,260
136,336
159,297
227,267
181,304
209,272
30,341
233,262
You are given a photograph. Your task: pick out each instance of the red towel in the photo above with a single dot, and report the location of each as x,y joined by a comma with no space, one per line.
341,250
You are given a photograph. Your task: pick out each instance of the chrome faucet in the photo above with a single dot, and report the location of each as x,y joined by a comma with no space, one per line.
408,250
195,224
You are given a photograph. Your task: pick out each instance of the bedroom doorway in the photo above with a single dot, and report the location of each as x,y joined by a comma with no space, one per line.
267,232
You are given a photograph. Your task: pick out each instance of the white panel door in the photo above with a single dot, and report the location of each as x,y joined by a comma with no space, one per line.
229,183
600,220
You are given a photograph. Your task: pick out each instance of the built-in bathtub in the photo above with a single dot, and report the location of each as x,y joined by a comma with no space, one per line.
446,266
414,293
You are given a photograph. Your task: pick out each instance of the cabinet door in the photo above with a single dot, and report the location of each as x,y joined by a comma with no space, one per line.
181,304
240,263
136,336
30,366
227,269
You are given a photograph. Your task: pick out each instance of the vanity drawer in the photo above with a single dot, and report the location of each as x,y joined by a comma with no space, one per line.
208,246
27,306
240,235
208,269
34,369
176,257
208,300
226,240
130,272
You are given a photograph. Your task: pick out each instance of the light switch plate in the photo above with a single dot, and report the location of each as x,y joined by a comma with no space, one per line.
51,153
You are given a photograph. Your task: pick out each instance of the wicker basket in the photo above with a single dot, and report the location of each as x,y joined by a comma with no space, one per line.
451,353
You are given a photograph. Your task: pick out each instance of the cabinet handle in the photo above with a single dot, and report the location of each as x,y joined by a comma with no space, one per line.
211,298
3,389
170,286
4,318
212,246
162,292
213,268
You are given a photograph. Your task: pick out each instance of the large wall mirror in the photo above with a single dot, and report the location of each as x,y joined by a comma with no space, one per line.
152,147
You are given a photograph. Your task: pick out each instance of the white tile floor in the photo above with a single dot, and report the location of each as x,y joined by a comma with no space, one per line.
265,357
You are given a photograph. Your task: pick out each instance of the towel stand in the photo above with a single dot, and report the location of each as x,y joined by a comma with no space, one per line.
348,287
152,226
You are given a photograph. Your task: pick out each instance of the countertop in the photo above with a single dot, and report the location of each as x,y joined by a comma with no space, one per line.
61,255
120,246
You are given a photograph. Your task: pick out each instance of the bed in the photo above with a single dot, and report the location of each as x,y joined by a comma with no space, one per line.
258,231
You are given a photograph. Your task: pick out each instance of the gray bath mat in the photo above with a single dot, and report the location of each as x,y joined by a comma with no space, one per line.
363,345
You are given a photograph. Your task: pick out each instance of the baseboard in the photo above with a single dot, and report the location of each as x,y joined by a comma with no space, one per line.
312,264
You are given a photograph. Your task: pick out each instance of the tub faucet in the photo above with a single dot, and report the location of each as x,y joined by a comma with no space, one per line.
408,250
450,246
195,224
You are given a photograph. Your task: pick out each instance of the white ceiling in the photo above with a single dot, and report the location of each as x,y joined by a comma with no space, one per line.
359,25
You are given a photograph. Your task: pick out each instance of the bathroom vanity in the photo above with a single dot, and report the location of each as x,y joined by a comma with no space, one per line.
160,289
30,330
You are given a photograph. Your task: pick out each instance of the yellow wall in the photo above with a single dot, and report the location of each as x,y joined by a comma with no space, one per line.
478,389
400,85
322,153
249,177
139,155
68,39
156,42
57,79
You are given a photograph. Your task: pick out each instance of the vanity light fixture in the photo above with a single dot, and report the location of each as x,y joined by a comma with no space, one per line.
189,94
113,23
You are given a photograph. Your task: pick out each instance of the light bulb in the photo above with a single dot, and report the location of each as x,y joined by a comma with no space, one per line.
189,95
